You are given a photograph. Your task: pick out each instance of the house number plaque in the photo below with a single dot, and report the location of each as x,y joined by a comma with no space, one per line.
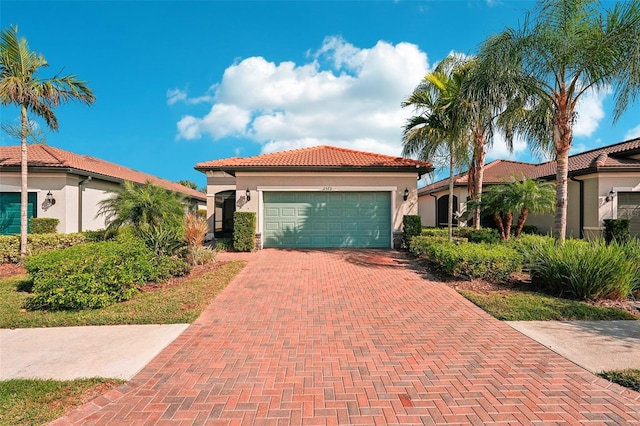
327,188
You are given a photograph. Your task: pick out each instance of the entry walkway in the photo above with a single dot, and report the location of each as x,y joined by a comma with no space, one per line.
354,337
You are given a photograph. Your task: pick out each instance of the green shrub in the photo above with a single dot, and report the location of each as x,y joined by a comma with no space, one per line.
162,239
200,255
482,235
618,230
36,244
494,262
97,236
244,231
530,230
44,225
94,275
434,232
525,244
223,244
411,226
584,270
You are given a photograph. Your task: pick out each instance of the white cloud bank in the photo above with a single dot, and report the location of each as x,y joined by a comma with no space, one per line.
344,96
633,133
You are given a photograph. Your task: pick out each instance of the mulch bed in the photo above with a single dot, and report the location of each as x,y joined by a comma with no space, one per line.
11,269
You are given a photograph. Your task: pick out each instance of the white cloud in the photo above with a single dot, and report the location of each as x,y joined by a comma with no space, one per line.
343,95
179,95
499,150
590,111
222,121
633,133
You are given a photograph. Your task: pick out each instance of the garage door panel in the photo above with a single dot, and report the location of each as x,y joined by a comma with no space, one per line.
317,219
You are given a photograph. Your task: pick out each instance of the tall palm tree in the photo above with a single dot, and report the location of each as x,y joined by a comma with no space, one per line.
435,129
20,85
568,48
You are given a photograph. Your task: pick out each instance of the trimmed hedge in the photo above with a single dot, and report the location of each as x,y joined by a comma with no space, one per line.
482,235
434,232
618,230
244,231
411,226
94,275
36,244
493,262
44,225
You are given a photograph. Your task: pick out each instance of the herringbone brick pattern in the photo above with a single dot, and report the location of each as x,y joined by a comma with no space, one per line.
354,337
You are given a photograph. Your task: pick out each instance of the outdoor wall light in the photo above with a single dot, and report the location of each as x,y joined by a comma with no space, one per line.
610,196
248,194
49,200
406,194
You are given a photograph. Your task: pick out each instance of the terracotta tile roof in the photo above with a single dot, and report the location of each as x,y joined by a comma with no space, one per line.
495,172
48,156
609,157
315,157
614,156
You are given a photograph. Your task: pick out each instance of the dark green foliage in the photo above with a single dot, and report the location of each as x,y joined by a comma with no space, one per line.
142,205
584,270
94,275
44,225
412,226
434,232
525,244
97,236
493,262
482,235
530,230
618,230
162,240
629,378
36,244
244,231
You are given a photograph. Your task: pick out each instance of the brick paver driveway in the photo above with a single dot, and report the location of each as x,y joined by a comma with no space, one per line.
354,337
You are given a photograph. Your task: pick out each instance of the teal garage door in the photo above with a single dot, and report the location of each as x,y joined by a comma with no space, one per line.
327,219
10,211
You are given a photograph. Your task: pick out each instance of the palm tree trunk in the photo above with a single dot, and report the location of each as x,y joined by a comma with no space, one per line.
497,219
508,219
562,136
24,194
524,213
450,216
479,157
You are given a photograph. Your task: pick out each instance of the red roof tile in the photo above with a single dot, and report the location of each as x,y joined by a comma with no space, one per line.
48,156
315,157
495,172
608,157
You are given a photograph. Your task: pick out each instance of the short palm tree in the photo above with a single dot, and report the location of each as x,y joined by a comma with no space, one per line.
570,47
142,206
516,196
434,129
21,85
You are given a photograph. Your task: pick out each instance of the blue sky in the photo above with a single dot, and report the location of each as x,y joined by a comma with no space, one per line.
182,82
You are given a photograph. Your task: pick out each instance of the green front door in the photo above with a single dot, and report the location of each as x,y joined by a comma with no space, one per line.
327,219
10,211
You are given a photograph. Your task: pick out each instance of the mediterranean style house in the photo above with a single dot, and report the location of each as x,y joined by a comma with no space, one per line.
315,197
68,187
604,183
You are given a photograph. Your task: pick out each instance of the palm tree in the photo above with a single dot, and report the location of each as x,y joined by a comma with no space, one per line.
569,48
20,85
522,196
142,206
435,129
532,197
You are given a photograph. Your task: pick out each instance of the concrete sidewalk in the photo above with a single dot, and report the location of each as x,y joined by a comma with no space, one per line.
66,353
594,345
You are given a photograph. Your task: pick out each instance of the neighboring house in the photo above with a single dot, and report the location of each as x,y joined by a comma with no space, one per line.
604,183
67,186
316,197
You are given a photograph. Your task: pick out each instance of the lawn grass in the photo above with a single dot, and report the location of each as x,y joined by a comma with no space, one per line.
181,303
629,378
36,402
528,306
